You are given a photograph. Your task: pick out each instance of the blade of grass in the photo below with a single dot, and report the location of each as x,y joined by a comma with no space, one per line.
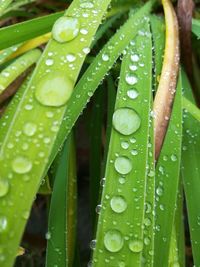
61,234
191,172
149,220
9,74
37,119
96,149
167,180
120,225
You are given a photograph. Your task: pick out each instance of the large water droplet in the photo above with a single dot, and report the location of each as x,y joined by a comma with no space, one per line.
113,240
65,29
29,129
54,89
175,264
126,121
4,187
93,244
3,224
21,165
118,204
123,165
136,245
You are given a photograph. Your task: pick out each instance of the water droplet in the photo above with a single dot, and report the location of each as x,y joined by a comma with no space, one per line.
135,58
65,29
136,245
87,5
48,235
29,129
113,240
134,152
122,180
126,121
4,187
105,57
49,62
118,204
21,165
123,165
147,222
133,67
54,89
125,145
133,94
70,58
3,224
25,215
93,244
173,157
159,191
131,79
98,209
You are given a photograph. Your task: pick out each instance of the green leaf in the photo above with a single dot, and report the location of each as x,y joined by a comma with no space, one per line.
191,172
62,222
196,27
125,176
167,181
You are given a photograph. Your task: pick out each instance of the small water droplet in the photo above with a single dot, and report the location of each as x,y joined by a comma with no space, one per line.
21,165
87,5
49,62
105,57
54,89
173,157
126,121
65,29
159,191
113,241
93,244
118,204
48,235
136,246
29,129
135,58
125,145
132,94
123,165
70,58
3,224
4,187
131,79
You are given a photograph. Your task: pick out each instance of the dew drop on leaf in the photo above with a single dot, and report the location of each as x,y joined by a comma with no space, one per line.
29,129
118,204
4,187
126,121
21,165
54,89
65,29
113,240
132,94
131,79
87,5
136,246
123,165
3,224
